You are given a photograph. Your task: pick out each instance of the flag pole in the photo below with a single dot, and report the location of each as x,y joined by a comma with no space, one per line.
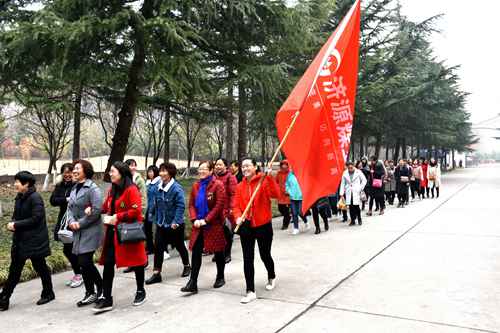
269,167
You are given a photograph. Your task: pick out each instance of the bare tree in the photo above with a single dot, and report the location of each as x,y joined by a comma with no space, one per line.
189,128
49,126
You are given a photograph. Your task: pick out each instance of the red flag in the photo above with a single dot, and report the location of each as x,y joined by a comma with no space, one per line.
318,144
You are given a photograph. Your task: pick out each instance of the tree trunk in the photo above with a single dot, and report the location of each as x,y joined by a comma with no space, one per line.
403,148
396,151
46,182
361,151
242,122
166,131
387,151
263,145
378,146
77,124
229,128
131,98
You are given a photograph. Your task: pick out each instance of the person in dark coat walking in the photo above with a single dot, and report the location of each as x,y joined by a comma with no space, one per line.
30,239
376,181
206,211
402,175
59,198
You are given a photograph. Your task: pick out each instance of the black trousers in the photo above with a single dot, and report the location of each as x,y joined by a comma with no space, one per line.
148,230
91,276
16,269
229,236
316,213
333,205
165,236
390,195
197,259
403,194
109,268
415,188
285,212
437,191
72,258
377,196
355,212
264,237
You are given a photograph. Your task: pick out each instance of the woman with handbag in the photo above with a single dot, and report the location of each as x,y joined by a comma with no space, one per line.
257,225
390,182
352,184
434,176
206,211
402,175
124,236
84,219
376,179
167,211
59,198
416,178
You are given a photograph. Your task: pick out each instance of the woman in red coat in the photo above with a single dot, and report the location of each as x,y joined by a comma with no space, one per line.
206,211
424,184
122,205
257,226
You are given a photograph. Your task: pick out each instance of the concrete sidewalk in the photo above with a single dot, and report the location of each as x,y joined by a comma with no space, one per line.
431,267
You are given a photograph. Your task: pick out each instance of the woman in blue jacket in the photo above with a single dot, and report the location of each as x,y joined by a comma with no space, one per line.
295,193
167,212
153,180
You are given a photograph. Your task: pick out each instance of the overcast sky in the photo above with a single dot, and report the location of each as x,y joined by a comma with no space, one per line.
469,37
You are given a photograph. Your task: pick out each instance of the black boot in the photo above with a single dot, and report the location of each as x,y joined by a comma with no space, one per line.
318,231
186,271
46,298
326,226
191,287
4,303
219,282
155,278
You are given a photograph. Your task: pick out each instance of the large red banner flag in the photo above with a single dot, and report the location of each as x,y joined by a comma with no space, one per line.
323,104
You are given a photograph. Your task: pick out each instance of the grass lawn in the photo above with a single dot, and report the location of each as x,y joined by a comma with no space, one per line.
57,262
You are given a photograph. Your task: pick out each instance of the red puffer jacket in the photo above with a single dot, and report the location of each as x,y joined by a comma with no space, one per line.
229,181
128,209
260,212
213,232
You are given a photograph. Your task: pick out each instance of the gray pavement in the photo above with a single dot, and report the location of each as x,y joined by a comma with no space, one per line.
431,267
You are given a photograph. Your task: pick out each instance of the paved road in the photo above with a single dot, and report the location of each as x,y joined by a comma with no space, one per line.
431,267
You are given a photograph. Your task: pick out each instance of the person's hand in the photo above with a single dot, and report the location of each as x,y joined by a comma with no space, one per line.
11,226
239,221
74,226
67,199
111,220
88,211
174,226
202,223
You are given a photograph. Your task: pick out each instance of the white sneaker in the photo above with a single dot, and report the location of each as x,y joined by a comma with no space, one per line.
250,297
76,281
308,226
271,283
295,231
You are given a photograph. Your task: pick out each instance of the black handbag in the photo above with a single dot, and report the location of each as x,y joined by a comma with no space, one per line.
130,233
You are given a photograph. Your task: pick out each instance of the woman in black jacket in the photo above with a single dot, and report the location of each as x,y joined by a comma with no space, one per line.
30,239
59,198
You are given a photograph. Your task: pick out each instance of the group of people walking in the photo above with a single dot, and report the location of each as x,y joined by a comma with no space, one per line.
120,225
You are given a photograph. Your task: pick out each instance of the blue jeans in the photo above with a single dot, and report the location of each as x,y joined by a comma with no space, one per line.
296,206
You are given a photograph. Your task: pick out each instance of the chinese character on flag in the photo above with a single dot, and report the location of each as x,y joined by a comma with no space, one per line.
318,144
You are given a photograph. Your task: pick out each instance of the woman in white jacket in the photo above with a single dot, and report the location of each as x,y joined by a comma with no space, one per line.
434,176
353,182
